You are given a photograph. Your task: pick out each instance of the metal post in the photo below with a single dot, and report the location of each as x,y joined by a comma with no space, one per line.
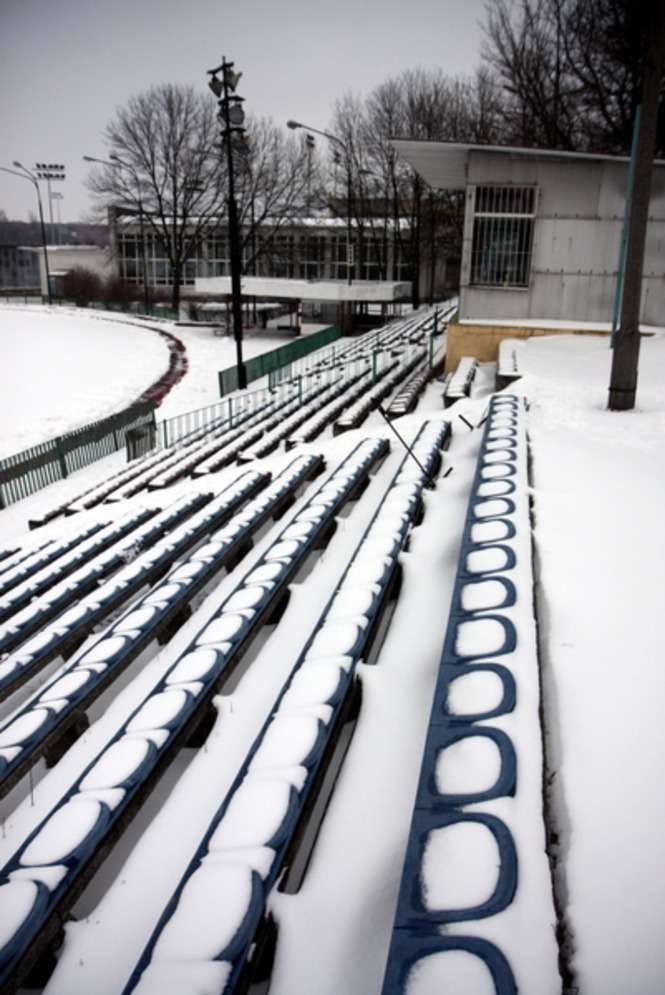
234,239
624,230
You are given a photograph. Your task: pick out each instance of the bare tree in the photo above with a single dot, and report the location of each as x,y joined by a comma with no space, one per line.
395,216
569,71
168,167
163,140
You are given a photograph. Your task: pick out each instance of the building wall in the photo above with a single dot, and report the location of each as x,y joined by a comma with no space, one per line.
19,268
576,238
62,258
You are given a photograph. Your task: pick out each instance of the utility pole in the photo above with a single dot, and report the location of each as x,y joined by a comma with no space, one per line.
625,357
231,117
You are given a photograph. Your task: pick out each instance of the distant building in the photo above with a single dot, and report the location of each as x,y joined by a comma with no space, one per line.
64,258
19,269
309,248
542,231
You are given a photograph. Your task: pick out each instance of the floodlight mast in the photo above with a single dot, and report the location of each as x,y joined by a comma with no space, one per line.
294,125
27,175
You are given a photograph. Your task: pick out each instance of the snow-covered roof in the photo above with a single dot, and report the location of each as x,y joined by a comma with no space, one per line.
308,290
444,164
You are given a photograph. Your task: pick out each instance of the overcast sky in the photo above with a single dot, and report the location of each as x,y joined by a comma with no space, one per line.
65,65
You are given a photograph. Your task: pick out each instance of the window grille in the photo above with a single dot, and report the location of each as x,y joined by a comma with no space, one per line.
502,236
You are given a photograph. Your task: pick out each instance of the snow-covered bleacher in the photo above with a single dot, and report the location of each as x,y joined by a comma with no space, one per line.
221,900
131,611
508,366
459,384
40,882
65,633
473,806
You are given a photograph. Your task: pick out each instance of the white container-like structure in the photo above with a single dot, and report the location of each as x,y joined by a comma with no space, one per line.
542,230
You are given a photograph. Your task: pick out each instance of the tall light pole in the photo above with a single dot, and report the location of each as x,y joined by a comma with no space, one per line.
114,162
231,117
50,171
333,139
27,175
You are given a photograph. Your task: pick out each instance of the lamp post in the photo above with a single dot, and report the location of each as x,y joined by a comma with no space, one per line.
50,171
115,162
27,175
231,117
347,154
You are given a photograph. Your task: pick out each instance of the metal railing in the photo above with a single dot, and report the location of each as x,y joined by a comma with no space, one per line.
278,364
38,466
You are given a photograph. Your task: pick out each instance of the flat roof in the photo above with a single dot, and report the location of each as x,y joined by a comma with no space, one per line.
444,164
381,291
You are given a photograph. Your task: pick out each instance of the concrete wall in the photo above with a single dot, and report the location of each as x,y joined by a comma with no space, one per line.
577,233
62,258
482,341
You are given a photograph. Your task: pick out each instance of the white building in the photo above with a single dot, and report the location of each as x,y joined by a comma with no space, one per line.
542,231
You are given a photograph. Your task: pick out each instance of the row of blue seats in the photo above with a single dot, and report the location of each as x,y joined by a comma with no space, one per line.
25,564
97,494
358,384
173,459
22,624
336,392
392,375
75,686
175,536
406,398
211,922
219,453
101,539
478,646
39,883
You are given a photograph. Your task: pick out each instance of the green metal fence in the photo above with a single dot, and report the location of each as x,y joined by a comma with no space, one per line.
24,473
278,364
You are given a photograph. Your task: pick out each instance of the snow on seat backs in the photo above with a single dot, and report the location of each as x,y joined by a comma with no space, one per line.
207,439
224,450
22,567
73,687
392,374
24,623
64,565
58,855
73,626
218,905
467,919
459,385
406,398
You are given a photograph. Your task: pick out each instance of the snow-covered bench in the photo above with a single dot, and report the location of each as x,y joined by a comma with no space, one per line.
45,875
392,375
459,385
406,398
461,862
507,367
168,604
22,624
24,564
222,896
101,539
64,634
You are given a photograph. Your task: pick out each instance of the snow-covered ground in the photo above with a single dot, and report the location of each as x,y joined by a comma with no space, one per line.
61,369
598,480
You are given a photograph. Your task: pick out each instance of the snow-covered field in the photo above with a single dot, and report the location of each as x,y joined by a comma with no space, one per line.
598,479
61,370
